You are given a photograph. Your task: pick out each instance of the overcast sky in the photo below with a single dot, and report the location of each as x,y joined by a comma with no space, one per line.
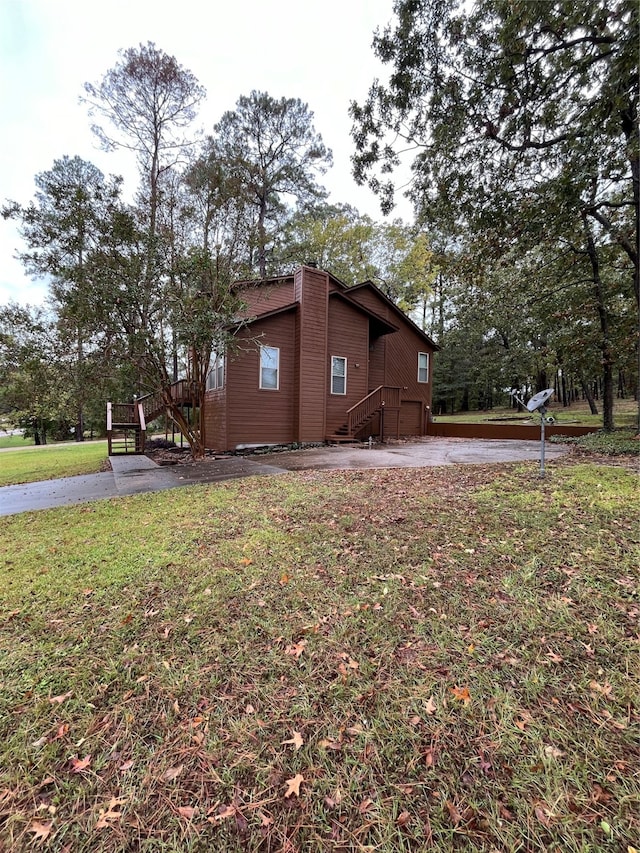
319,52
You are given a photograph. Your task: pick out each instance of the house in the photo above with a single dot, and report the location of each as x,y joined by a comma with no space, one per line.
319,361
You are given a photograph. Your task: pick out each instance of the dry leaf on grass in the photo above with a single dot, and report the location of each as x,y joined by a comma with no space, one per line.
41,830
461,694
58,700
111,813
297,740
454,814
293,785
187,812
223,813
173,773
296,649
80,764
544,814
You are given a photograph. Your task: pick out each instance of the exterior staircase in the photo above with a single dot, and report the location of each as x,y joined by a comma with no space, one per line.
127,422
383,400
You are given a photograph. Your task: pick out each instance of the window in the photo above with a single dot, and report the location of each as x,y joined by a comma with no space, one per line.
338,375
215,378
423,367
270,368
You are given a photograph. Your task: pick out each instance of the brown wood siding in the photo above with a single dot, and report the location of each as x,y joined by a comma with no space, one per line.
372,302
411,417
401,364
215,417
311,289
376,362
520,432
267,297
255,415
348,338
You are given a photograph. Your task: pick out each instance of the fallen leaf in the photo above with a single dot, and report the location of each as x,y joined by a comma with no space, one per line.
58,700
365,805
284,579
461,694
265,820
173,773
127,765
293,785
245,561
41,830
187,812
553,752
110,813
430,706
505,814
297,740
599,794
604,689
62,731
403,818
224,812
40,742
454,814
326,743
80,764
554,657
296,649
544,814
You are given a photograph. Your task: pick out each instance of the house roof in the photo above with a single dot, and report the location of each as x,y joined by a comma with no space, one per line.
383,325
397,311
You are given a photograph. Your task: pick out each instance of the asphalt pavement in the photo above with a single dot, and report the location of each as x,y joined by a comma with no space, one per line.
131,475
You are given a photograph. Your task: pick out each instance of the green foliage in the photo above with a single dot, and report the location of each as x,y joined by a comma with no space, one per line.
619,443
523,122
273,153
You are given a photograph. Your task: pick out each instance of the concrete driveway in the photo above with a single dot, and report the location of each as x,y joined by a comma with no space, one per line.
137,474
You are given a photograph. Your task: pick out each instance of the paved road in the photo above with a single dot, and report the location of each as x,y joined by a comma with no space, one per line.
137,474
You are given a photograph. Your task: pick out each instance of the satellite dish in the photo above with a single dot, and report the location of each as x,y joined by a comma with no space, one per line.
538,400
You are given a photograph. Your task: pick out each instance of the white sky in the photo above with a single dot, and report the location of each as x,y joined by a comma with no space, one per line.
319,52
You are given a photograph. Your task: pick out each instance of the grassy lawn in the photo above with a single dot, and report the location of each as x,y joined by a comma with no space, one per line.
15,441
29,464
625,415
400,660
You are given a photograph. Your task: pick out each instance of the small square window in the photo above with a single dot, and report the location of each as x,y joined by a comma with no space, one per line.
423,367
338,375
269,368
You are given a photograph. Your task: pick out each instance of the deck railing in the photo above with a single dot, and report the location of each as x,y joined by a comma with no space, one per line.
384,396
182,392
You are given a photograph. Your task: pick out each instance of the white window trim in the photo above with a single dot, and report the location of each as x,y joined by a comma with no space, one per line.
260,385
212,377
339,393
423,381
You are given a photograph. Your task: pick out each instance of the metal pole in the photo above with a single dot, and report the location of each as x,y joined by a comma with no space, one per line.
542,444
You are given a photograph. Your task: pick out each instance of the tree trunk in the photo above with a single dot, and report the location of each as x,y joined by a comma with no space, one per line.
586,390
605,345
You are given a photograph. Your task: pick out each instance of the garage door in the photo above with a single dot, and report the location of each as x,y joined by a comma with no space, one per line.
411,417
